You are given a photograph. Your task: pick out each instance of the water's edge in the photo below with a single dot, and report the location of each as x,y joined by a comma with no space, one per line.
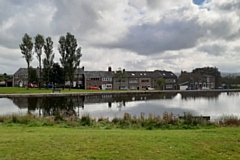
112,92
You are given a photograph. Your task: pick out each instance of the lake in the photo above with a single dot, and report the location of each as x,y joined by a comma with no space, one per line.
213,104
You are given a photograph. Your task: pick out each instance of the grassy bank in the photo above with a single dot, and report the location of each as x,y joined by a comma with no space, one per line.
21,142
18,90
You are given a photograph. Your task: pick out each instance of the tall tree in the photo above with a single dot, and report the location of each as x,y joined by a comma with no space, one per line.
33,78
39,43
70,55
48,60
26,48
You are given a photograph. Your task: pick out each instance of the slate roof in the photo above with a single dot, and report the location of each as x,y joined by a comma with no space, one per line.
143,74
21,71
130,74
98,74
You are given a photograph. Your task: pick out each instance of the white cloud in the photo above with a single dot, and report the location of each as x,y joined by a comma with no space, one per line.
135,35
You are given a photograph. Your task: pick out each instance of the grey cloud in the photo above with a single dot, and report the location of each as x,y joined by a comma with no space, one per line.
18,18
77,16
166,35
229,5
213,49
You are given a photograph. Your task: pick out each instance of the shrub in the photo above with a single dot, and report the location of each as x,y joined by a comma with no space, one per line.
229,121
86,120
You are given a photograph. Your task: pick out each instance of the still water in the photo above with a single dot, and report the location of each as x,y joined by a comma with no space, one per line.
109,106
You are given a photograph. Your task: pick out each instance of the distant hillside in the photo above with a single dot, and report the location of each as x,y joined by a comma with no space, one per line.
225,74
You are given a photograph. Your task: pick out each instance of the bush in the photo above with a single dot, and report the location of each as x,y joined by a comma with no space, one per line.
229,121
86,120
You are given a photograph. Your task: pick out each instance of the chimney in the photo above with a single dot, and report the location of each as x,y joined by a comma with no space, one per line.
109,69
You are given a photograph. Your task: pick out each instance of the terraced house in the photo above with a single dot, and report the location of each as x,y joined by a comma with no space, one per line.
110,80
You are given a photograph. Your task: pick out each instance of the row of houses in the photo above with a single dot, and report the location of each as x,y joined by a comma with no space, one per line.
135,80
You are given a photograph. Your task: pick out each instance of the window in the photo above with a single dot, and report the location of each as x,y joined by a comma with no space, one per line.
170,80
133,81
109,85
169,86
94,79
145,80
107,79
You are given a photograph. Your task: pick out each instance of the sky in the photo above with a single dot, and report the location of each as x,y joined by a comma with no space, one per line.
135,35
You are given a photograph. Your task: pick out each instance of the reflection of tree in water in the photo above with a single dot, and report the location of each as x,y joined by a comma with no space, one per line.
57,105
120,105
32,104
233,93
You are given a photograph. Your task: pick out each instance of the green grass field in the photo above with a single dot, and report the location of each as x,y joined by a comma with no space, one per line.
18,90
22,142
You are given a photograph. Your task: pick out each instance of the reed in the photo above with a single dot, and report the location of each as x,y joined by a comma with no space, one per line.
166,121
228,121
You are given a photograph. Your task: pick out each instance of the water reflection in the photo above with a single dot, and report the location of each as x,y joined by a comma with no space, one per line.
212,104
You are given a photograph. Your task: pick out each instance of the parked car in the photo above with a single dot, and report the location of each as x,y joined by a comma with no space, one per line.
190,88
94,88
48,85
31,85
150,88
124,88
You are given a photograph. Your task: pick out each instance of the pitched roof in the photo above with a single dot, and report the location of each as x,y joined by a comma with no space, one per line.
21,71
96,74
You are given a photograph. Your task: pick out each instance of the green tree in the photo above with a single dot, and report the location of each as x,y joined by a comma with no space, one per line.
48,60
33,78
56,74
70,56
161,82
39,43
26,48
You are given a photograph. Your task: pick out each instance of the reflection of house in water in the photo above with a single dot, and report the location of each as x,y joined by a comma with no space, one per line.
127,97
47,106
67,106
208,95
22,102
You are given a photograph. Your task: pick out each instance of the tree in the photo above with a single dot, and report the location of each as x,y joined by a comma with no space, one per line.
33,78
39,43
71,54
48,60
56,74
160,82
213,71
26,49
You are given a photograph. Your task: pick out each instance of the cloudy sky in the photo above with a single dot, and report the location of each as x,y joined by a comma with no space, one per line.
131,34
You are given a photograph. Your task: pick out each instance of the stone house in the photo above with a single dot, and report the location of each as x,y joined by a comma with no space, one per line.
196,81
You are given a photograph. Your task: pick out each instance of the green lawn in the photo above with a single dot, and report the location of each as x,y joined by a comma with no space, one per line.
22,142
18,90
